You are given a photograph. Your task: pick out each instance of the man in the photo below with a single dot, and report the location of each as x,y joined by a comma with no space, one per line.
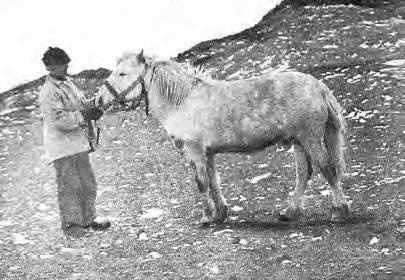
67,127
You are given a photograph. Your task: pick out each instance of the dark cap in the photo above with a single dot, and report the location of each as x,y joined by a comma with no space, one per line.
55,56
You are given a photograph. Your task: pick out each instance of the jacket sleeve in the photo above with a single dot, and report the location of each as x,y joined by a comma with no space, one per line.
54,111
89,102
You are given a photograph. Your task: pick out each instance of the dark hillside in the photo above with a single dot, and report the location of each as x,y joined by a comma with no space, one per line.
305,37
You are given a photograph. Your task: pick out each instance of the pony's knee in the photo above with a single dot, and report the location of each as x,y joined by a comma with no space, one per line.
201,185
303,164
310,170
331,175
179,144
319,156
201,178
192,165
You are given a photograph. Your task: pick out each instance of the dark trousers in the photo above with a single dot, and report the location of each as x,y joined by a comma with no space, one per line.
77,190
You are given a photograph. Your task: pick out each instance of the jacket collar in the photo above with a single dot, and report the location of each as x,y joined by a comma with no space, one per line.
55,81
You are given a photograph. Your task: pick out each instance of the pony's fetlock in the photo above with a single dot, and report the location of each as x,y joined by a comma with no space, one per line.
290,214
221,213
210,212
206,221
340,214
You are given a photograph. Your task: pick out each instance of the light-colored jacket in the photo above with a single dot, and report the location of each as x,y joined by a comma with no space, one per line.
64,129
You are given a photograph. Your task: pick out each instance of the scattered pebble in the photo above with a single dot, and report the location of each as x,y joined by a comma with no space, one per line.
46,256
21,239
256,179
155,255
385,251
284,262
69,250
152,213
143,236
6,223
318,238
214,269
243,242
223,231
236,208
374,240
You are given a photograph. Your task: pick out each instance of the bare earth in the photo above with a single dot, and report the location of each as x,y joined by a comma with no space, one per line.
146,187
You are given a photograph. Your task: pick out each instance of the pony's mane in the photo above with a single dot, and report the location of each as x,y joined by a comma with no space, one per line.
175,80
184,67
188,70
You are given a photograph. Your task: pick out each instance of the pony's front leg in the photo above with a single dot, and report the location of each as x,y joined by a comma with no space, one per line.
303,173
196,154
221,206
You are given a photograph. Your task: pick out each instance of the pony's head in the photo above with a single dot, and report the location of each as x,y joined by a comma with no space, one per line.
126,83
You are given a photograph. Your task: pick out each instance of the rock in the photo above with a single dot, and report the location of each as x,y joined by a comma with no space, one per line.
155,255
236,208
152,213
374,240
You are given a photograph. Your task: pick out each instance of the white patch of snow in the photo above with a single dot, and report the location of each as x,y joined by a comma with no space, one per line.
236,208
155,255
374,240
258,178
152,213
396,62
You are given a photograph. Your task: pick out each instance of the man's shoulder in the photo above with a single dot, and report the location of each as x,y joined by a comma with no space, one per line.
49,82
50,88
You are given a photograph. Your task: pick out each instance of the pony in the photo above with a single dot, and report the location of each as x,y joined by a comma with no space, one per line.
206,116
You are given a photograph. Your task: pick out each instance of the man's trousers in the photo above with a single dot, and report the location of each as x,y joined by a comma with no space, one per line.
77,190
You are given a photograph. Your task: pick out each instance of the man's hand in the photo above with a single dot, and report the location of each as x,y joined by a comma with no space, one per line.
91,113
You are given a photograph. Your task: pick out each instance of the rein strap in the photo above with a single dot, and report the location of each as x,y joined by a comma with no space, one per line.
121,96
112,90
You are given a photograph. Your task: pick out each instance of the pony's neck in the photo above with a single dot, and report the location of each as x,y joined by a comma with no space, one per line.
167,90
157,105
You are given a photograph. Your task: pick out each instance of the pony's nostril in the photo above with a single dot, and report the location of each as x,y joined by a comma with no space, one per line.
99,102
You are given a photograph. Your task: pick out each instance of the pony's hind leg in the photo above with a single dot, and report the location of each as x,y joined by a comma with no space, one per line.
303,173
330,168
340,209
196,154
221,206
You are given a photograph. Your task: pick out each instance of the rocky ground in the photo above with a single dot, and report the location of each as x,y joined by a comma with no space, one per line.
147,190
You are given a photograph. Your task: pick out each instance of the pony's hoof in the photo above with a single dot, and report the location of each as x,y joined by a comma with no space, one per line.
221,214
340,214
206,221
290,214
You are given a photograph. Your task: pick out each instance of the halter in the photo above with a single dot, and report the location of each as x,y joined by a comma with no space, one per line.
121,96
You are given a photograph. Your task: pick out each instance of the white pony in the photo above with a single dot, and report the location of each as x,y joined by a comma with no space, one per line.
208,116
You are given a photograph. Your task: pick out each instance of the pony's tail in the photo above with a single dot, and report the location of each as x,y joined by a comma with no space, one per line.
334,134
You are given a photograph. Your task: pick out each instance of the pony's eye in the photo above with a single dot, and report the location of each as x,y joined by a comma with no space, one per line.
122,74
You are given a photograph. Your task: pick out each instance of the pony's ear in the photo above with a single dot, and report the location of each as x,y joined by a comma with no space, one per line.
140,57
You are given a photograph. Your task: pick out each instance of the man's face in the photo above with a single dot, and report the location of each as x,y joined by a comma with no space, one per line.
58,69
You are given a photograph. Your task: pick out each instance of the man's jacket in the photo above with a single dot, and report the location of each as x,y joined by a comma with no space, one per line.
65,132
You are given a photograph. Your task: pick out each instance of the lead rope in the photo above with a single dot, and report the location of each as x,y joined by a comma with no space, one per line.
144,92
98,128
144,95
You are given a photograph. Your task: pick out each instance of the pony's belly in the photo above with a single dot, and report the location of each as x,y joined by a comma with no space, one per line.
239,140
249,145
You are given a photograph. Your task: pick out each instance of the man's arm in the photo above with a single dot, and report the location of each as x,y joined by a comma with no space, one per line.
54,111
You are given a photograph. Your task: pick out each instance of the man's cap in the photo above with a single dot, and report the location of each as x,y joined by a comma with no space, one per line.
55,56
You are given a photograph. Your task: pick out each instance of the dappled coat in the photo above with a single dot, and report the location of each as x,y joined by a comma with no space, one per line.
65,132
